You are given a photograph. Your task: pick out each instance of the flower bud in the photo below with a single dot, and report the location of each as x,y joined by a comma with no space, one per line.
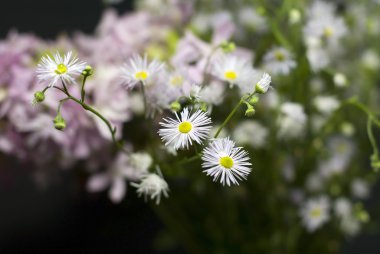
39,97
204,107
363,216
88,71
254,100
227,47
264,83
175,106
59,122
250,111
294,16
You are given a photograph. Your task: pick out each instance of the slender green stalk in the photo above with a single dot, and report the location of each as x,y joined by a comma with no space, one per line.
144,97
60,104
365,109
191,159
95,112
232,113
83,91
371,137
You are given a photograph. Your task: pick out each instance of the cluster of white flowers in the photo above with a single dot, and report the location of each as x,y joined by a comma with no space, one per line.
161,87
322,34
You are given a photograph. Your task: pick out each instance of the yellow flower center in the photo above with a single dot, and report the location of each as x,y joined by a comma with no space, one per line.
328,32
176,80
185,127
316,212
230,75
279,56
141,75
61,69
226,162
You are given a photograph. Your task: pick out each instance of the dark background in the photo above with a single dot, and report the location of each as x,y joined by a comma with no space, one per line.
63,218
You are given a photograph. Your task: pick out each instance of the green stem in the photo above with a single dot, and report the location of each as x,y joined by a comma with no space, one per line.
144,97
191,159
228,118
371,137
60,105
232,113
365,109
83,92
95,112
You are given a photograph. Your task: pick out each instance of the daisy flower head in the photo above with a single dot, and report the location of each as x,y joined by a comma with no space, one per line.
185,129
53,68
315,213
223,160
264,83
232,69
138,69
279,61
152,185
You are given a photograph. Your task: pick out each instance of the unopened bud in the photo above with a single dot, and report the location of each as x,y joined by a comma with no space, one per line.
254,100
175,106
88,71
228,47
39,97
204,107
250,111
59,122
294,16
363,216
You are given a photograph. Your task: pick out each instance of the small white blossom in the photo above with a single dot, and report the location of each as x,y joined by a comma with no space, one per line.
326,104
342,207
370,59
279,61
315,213
138,69
132,167
234,70
222,160
350,225
340,80
51,69
185,129
251,133
249,17
152,185
292,122
360,188
264,83
314,182
295,16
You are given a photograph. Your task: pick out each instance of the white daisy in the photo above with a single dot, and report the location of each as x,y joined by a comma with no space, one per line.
326,104
315,213
250,132
264,83
138,69
53,68
222,160
279,61
232,69
152,185
185,129
292,122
